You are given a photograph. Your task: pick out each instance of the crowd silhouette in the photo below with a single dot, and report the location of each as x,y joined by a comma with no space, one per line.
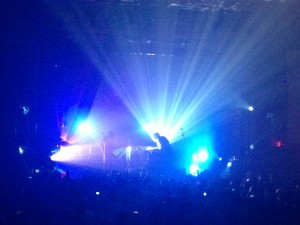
243,196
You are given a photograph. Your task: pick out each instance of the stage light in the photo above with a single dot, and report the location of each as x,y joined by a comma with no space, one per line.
66,154
200,156
278,144
97,193
250,108
229,164
128,153
203,155
194,170
220,158
85,128
150,148
21,150
204,194
147,127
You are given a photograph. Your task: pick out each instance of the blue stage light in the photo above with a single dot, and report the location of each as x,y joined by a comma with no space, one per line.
203,155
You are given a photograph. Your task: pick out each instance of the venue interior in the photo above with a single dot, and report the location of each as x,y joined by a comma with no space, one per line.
150,112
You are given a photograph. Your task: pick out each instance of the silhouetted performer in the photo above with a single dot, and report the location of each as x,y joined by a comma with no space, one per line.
163,142
166,161
62,143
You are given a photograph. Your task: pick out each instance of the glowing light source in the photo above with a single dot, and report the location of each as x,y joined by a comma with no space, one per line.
250,108
128,152
203,155
66,154
21,150
147,127
229,164
278,144
194,170
85,128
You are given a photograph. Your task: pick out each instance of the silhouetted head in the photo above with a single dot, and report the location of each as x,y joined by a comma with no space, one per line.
156,135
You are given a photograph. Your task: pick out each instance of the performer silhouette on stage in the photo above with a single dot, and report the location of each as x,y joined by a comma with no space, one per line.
166,159
164,143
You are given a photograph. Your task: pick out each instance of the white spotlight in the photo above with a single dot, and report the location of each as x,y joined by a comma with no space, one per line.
250,108
229,164
85,128
194,170
21,150
203,155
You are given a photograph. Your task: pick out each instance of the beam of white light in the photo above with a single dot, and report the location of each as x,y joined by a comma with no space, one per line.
172,96
66,154
85,128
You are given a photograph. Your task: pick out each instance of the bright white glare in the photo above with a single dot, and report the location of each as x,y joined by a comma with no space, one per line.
21,150
250,108
194,170
97,193
128,152
204,194
150,148
66,154
229,164
220,158
203,155
200,157
195,157
85,128
147,127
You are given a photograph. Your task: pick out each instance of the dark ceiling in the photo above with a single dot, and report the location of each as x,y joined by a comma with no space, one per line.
159,26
